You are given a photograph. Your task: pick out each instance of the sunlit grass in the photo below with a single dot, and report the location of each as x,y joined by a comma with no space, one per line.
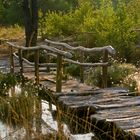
11,32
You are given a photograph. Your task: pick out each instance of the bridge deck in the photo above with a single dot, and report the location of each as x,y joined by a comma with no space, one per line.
110,105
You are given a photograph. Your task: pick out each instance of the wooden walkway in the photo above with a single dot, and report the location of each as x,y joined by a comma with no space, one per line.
108,105
109,113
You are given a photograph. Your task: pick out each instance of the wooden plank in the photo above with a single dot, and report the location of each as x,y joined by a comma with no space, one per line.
106,130
120,113
126,103
90,99
124,119
128,124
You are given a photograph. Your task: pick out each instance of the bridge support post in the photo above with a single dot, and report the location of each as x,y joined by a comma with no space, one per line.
48,61
21,64
81,67
104,70
59,73
37,67
11,60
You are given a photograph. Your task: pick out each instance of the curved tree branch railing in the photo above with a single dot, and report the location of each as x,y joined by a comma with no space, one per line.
63,52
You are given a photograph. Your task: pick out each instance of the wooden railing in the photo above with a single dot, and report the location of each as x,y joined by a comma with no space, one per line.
63,52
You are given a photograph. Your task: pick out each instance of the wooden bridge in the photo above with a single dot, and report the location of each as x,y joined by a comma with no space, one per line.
110,113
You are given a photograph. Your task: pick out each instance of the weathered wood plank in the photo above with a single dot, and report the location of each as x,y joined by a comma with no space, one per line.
45,47
125,103
32,63
95,99
119,113
81,64
110,49
106,130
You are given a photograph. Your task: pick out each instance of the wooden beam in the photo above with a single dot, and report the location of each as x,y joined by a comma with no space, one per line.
109,48
104,70
11,60
81,67
33,64
59,74
37,67
21,64
44,47
81,64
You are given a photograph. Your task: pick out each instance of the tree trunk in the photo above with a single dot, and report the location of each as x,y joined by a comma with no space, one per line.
30,10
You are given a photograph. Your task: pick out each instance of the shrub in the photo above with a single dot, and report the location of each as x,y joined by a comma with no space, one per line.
63,24
118,75
73,70
7,81
96,25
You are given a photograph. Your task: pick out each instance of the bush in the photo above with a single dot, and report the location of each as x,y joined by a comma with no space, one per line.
63,24
7,81
96,25
73,70
9,14
118,75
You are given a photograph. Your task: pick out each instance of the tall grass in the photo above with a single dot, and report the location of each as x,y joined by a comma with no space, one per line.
12,32
24,110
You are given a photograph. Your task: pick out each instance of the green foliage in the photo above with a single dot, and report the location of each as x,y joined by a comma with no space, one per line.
9,14
73,70
7,81
1,11
118,75
31,56
56,24
57,5
97,24
9,8
61,24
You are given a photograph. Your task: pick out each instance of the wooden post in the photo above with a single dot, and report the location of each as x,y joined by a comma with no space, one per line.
11,60
38,112
59,73
81,67
21,64
37,67
59,123
104,70
48,61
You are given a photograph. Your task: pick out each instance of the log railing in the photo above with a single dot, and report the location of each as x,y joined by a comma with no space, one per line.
63,52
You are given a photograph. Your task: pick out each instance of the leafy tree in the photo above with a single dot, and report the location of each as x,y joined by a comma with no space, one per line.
8,12
98,24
